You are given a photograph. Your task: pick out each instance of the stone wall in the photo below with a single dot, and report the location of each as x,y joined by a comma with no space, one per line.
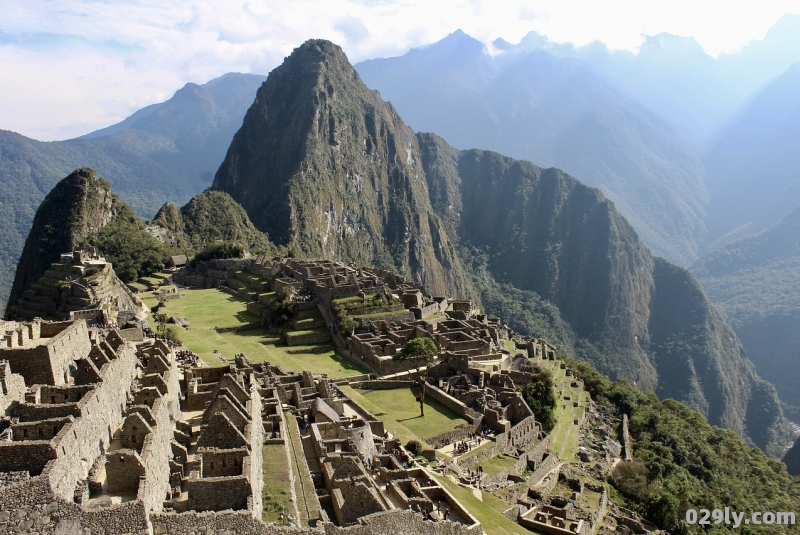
12,386
627,443
451,403
382,384
88,437
218,493
550,462
31,506
50,361
226,522
398,522
156,450
307,338
30,455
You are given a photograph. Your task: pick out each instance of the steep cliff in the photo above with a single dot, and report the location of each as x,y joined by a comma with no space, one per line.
327,168
77,206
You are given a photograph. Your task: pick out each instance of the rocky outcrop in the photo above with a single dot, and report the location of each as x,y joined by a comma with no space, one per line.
330,170
77,206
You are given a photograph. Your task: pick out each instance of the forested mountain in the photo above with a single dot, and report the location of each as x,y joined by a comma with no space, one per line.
81,211
555,111
756,283
327,168
165,152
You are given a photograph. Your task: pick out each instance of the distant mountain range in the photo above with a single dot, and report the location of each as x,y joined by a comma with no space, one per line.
165,152
557,112
327,168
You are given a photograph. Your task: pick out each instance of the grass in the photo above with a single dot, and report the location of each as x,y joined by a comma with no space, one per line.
564,436
488,511
302,477
276,492
207,308
495,464
399,410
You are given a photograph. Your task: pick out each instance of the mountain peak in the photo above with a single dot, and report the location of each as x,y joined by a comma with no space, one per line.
327,168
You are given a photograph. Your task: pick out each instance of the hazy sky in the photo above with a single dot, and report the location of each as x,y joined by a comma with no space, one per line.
72,66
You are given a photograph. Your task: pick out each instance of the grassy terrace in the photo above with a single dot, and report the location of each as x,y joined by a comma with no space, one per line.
303,484
209,308
487,509
495,464
276,493
564,436
399,411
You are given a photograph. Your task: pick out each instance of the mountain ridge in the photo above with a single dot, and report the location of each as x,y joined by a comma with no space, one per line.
165,152
540,230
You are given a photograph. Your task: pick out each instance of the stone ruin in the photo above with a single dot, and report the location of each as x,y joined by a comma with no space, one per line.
80,285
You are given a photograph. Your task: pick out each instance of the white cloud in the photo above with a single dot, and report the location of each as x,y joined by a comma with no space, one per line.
71,66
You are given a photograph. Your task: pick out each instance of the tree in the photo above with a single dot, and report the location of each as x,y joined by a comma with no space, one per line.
160,319
419,351
541,398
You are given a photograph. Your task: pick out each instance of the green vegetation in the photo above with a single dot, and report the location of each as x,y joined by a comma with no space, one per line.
420,352
495,464
125,243
755,282
303,484
209,308
398,410
400,405
345,308
276,494
487,509
214,224
198,123
541,397
219,250
683,462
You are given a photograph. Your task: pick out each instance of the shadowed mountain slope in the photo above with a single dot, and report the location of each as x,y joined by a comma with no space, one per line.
755,282
328,169
556,111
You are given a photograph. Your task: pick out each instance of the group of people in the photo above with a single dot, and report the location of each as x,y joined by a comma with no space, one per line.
402,457
107,326
303,296
426,515
187,356
462,447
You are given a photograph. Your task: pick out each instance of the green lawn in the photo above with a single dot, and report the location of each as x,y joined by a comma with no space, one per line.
276,493
488,511
399,410
495,464
303,484
207,308
564,436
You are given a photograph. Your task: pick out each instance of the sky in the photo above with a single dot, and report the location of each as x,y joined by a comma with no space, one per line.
69,67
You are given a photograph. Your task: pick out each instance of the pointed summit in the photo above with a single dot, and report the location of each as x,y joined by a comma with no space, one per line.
326,167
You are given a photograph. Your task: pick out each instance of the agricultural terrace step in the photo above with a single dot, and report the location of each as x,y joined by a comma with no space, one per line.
266,298
58,274
46,290
308,323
